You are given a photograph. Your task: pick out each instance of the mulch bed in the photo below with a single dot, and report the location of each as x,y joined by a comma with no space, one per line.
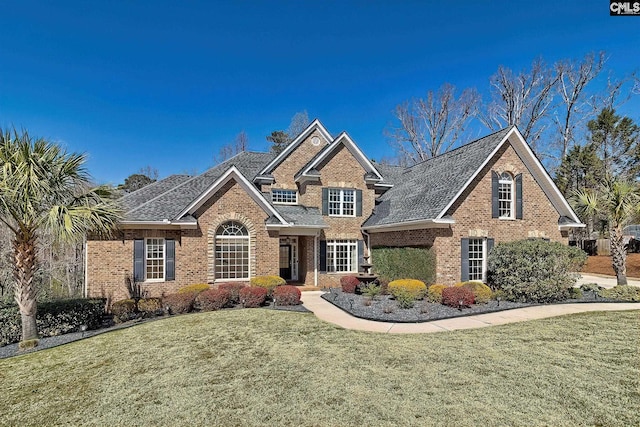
385,309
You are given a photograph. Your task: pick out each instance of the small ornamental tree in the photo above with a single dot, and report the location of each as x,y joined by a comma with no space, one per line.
534,270
45,189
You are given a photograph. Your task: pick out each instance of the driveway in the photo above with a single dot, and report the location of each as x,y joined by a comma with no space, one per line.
604,281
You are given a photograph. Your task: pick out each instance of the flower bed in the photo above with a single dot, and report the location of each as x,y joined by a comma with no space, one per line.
385,309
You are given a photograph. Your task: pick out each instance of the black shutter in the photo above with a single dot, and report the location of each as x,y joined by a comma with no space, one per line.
464,260
495,212
490,244
358,202
323,256
360,253
325,201
519,196
170,259
138,260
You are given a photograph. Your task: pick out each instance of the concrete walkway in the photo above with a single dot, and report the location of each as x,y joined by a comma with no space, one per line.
326,311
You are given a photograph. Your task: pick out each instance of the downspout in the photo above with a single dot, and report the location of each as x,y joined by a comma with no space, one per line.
368,245
315,259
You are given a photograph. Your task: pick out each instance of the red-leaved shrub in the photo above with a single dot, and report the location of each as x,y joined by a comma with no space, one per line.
453,295
286,295
212,299
234,290
179,303
252,296
349,284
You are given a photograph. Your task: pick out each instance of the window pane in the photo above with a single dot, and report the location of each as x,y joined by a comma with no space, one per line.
284,196
154,259
232,251
505,196
342,256
476,259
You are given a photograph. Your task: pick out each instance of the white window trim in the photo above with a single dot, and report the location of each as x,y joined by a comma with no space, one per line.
164,259
512,203
341,202
484,259
215,243
284,203
332,245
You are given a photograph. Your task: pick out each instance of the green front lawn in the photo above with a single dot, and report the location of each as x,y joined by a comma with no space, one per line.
259,367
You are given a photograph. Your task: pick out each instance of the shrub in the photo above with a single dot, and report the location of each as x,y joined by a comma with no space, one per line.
179,303
434,293
575,293
252,296
534,270
454,295
124,310
268,282
234,290
415,288
481,292
150,307
286,295
591,287
212,299
349,284
371,290
622,293
396,263
404,297
53,318
197,288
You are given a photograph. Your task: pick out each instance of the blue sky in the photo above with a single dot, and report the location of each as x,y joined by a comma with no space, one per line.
165,84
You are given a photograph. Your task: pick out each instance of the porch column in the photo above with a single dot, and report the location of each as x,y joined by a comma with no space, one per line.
315,260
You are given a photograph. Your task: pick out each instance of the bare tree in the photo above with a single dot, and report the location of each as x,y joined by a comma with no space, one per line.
299,122
523,100
431,126
573,78
239,144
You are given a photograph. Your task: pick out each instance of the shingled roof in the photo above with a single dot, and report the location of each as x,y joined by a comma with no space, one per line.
422,191
171,195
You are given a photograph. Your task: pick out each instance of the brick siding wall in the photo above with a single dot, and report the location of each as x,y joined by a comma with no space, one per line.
472,214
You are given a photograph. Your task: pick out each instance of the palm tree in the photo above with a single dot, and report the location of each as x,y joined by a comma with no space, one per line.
617,201
45,189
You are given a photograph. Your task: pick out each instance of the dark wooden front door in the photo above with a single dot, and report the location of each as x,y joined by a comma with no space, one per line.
285,262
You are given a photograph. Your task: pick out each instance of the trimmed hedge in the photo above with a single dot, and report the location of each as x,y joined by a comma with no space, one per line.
234,290
213,299
124,310
481,292
150,307
349,284
397,263
286,295
434,293
415,288
53,318
622,293
534,270
268,282
454,295
252,296
179,303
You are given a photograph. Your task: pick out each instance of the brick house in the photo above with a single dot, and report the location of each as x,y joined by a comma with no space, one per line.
312,212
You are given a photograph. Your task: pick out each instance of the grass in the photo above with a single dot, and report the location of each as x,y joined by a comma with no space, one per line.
258,367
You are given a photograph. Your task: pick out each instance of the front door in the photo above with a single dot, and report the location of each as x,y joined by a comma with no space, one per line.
285,261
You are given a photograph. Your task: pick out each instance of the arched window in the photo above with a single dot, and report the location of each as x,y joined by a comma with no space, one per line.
505,196
232,251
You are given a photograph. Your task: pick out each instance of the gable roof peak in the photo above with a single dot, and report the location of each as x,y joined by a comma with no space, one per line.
313,126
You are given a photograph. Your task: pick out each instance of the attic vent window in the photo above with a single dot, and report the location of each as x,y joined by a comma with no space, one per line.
315,141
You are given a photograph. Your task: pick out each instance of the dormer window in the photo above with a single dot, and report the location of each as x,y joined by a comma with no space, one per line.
505,196
284,197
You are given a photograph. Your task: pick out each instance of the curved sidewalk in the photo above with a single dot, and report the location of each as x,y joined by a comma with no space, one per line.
328,312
